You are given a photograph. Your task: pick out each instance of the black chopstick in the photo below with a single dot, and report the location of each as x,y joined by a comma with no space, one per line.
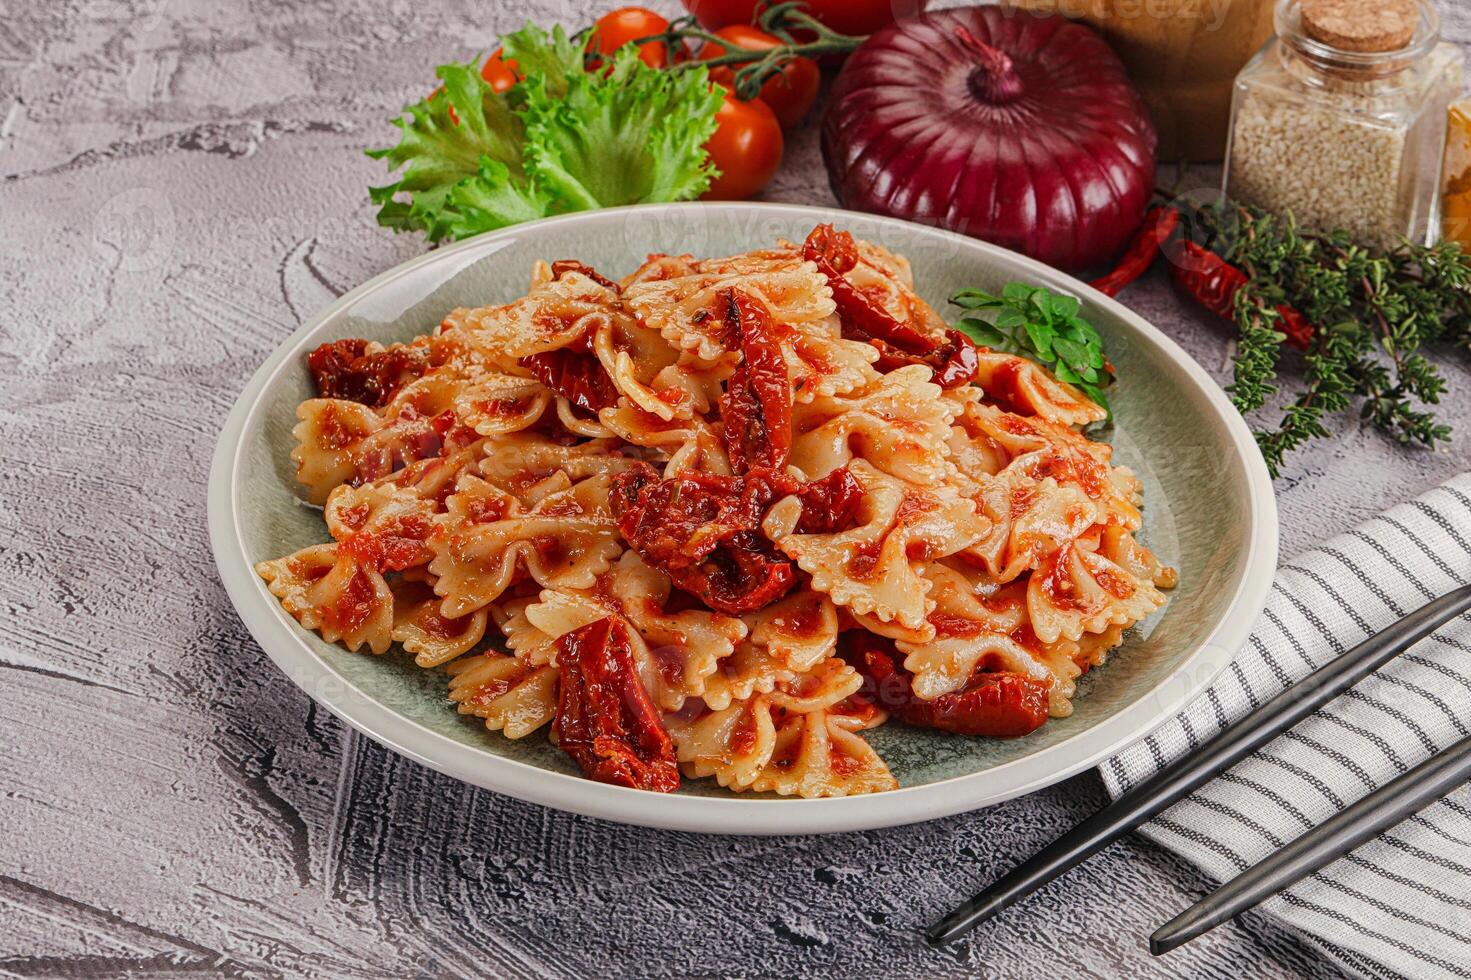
1186,775
1386,806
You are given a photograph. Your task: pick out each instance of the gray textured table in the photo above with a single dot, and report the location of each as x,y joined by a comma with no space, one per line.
181,183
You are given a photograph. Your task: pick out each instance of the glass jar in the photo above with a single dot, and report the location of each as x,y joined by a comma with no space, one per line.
1348,140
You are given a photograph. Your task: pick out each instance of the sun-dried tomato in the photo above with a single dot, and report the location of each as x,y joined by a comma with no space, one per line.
605,719
831,504
703,530
756,408
562,266
576,375
344,369
998,705
953,362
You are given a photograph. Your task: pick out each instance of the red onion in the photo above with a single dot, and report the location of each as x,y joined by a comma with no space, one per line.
1018,128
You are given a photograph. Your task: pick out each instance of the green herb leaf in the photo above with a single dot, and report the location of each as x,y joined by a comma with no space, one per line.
1372,311
1042,326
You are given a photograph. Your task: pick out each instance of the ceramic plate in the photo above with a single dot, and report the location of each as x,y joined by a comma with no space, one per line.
1209,511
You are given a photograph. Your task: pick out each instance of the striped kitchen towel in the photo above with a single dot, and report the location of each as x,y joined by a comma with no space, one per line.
1401,904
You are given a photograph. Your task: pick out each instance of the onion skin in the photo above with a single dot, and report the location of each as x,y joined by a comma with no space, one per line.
1047,150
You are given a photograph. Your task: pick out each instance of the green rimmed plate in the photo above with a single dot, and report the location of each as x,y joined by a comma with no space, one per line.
1209,511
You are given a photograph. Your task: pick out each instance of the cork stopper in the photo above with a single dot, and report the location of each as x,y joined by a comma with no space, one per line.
1364,26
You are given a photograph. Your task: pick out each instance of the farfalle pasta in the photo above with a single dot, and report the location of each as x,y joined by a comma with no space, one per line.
719,518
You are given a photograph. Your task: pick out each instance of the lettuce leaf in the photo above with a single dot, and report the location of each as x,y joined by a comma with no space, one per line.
563,139
634,135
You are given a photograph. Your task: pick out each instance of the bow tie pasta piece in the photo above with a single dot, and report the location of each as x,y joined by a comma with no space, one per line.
526,460
971,630
328,436
1020,386
674,651
686,444
689,313
498,404
1029,519
513,697
340,441
380,526
899,424
553,315
821,364
339,589
869,569
821,755
659,266
656,376
797,740
422,631
1075,591
732,744
787,638
1037,448
566,541
801,629
342,600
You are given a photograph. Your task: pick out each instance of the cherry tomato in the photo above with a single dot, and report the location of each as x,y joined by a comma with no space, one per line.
613,30
746,147
500,74
843,16
790,95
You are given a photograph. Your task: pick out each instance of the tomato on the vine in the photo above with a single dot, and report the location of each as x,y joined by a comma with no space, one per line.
615,29
843,16
790,94
746,146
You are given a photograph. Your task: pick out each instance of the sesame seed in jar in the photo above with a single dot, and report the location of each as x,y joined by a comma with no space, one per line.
1349,139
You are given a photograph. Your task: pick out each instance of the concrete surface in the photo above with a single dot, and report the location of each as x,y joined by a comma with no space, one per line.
181,182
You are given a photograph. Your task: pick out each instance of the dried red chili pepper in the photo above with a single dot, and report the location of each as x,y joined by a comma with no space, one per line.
1159,224
1213,283
605,719
757,405
344,369
954,362
997,705
703,530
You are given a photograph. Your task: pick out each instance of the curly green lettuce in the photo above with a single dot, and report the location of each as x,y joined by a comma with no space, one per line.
470,159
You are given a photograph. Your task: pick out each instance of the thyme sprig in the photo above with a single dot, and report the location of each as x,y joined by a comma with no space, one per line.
1374,312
